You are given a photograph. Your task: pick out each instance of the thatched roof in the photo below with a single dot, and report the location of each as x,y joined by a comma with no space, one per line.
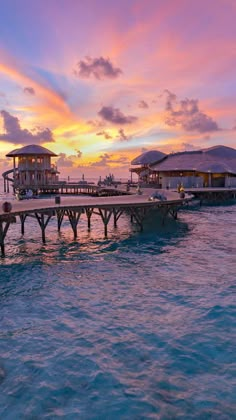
148,158
32,149
218,159
221,152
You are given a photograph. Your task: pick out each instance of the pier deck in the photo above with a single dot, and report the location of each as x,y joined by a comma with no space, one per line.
137,206
19,207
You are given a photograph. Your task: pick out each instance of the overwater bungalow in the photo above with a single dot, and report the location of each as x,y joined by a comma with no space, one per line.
212,167
32,168
141,166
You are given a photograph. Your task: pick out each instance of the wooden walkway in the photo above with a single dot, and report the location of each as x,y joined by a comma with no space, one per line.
137,206
213,195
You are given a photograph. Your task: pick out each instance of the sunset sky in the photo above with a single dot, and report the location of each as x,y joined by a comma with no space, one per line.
100,81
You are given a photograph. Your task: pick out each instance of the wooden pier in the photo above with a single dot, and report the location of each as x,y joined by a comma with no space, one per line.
73,188
136,206
213,195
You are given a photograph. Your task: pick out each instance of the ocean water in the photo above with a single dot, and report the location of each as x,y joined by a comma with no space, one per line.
137,326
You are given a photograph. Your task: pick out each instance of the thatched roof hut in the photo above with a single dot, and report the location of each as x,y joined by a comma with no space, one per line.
217,159
148,158
32,150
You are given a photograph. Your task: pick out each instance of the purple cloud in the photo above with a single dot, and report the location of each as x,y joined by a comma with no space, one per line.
95,123
29,90
143,104
15,134
122,135
100,68
103,160
114,115
64,161
104,133
187,115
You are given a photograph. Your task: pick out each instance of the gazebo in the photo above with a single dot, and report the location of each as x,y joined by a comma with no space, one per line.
32,167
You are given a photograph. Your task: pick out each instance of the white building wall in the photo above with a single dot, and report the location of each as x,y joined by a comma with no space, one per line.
230,181
186,181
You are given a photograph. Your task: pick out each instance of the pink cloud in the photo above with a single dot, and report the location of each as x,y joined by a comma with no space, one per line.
99,67
115,116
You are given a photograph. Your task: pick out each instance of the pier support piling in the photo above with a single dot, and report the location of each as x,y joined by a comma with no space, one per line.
43,222
74,217
22,221
117,214
174,212
89,212
105,216
5,222
138,214
60,216
164,211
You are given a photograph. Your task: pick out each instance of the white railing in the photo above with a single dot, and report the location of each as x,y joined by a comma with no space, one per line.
36,166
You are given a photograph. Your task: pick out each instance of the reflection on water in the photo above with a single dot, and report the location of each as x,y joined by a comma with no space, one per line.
139,325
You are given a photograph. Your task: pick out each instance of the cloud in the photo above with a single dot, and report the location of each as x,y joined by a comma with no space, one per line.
70,161
95,123
143,104
29,90
79,154
15,134
122,135
100,68
233,128
5,162
188,147
103,160
104,133
52,107
114,115
3,99
187,115
108,160
64,161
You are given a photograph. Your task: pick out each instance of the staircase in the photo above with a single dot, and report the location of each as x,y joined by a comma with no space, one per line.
8,179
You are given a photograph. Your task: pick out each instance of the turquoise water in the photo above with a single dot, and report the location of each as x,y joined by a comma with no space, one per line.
138,326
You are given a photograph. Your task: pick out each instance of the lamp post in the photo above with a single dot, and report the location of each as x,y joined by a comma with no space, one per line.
209,178
181,177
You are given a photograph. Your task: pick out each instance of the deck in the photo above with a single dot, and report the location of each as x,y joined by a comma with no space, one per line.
137,206
213,195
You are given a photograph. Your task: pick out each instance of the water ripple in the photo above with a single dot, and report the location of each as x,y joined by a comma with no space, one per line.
141,325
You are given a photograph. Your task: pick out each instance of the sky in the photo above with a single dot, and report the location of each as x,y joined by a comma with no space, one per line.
100,82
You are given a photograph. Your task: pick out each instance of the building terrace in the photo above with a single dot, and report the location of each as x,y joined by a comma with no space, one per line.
213,167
